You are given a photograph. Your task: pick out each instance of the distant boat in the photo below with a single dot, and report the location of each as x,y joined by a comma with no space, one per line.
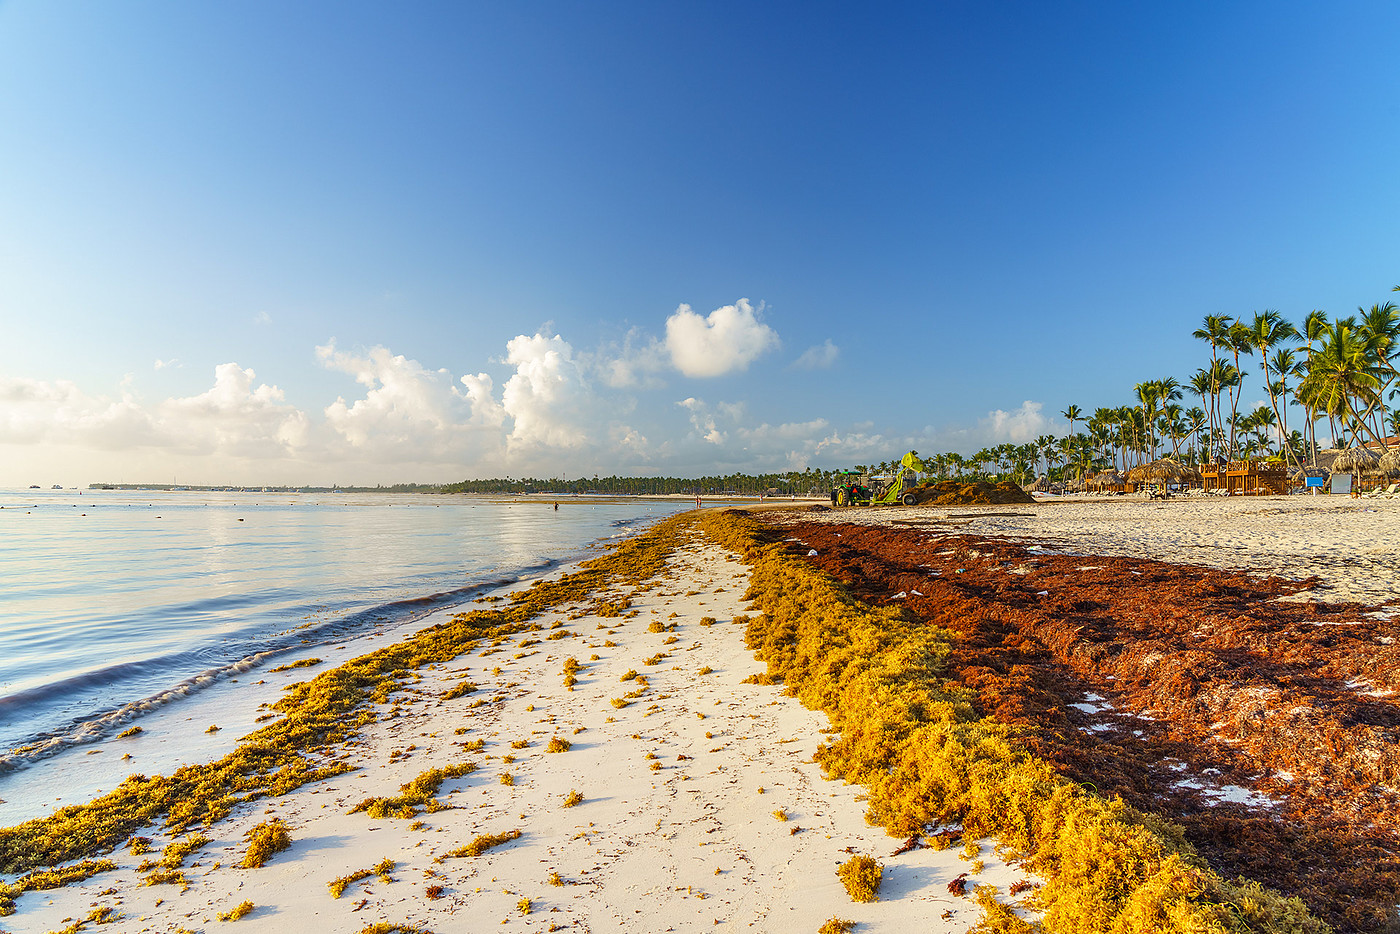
35,486
57,486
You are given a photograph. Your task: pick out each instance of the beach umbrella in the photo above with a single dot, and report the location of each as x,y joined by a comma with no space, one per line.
1389,464
1041,484
1356,460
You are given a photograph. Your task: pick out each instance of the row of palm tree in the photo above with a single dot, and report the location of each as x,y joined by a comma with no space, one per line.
1339,370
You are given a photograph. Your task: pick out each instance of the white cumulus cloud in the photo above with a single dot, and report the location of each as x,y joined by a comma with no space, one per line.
728,339
547,397
41,412
405,404
1018,426
234,417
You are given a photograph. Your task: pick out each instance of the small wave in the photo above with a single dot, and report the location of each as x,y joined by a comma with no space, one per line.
93,728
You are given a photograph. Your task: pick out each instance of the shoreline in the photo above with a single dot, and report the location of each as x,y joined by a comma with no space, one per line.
146,616
676,806
693,844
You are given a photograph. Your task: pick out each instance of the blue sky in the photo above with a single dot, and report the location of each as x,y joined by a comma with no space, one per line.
456,239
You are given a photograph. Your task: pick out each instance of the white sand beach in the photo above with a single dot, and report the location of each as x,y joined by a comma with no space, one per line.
701,808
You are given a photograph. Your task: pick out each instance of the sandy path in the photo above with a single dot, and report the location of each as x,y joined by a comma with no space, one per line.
691,845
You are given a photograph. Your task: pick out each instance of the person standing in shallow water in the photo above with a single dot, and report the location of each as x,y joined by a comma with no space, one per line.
556,507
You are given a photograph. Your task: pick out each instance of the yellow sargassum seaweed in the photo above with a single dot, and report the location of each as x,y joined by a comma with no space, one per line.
318,716
928,758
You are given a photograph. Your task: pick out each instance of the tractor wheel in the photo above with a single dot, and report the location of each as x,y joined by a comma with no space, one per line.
907,499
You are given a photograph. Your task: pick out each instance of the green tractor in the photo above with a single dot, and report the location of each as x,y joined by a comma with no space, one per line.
850,489
883,491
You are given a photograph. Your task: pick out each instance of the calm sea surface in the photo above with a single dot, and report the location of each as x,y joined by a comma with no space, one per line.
114,604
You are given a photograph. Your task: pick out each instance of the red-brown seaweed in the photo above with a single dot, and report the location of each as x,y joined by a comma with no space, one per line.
1265,728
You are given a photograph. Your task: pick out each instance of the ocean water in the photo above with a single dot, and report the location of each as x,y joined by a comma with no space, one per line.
119,607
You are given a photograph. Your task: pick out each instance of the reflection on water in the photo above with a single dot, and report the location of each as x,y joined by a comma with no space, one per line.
111,598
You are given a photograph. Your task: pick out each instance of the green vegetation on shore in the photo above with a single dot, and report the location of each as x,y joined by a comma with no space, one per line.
1341,370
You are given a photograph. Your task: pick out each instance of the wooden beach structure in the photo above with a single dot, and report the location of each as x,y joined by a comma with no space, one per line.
1246,478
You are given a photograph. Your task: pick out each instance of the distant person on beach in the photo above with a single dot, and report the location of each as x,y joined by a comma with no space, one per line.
697,500
556,507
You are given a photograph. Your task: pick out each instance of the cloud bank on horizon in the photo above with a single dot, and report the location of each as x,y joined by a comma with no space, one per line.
560,411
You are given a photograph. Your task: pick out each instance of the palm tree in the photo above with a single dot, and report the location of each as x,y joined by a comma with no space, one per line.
1195,421
1073,414
1148,395
1215,330
1314,326
1225,379
1132,433
1173,427
1240,340
1267,331
1380,326
1342,374
1203,387
1045,449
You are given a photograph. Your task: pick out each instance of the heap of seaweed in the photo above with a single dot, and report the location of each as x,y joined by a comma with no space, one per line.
929,758
1267,725
971,493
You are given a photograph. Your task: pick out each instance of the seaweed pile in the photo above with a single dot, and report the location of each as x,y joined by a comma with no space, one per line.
971,493
1265,729
930,759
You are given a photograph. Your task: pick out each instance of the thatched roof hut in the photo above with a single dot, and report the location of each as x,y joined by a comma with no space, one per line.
1041,484
1164,470
1389,464
1105,478
1356,461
